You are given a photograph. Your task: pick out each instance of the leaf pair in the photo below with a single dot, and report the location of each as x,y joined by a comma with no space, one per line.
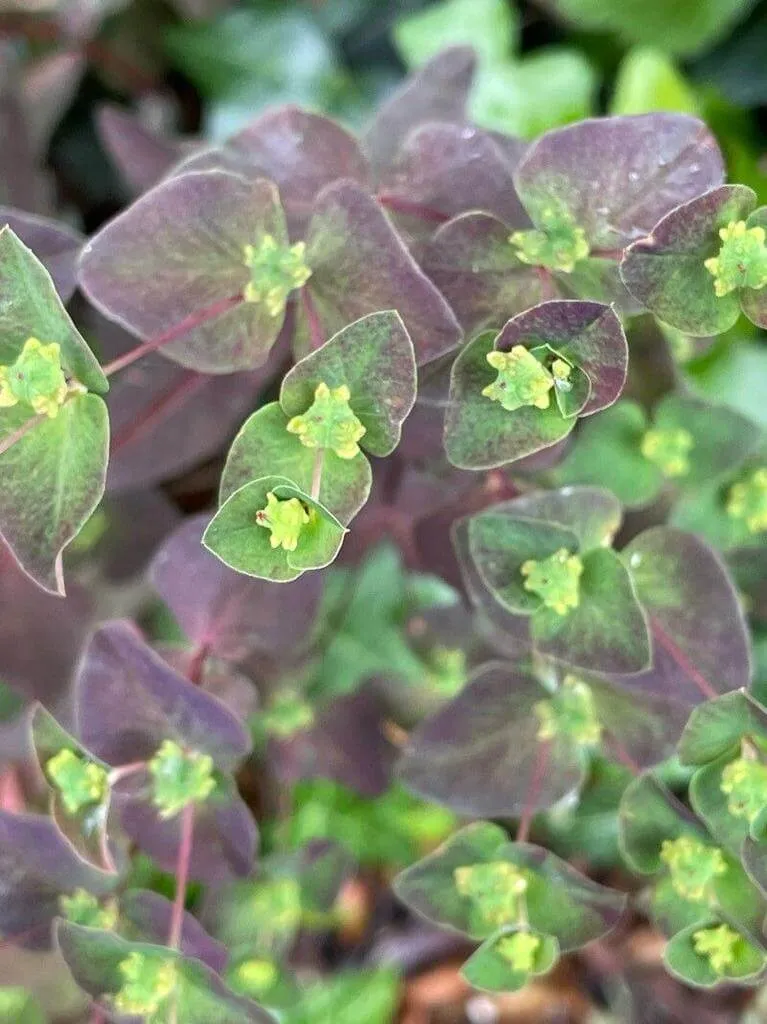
365,375
581,356
584,188
480,884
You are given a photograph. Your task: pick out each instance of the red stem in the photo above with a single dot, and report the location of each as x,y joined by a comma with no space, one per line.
202,316
623,755
681,658
539,772
197,664
182,876
398,204
316,333
97,1015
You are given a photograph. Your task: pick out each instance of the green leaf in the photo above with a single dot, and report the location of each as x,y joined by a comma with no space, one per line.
591,513
552,86
685,27
740,960
489,26
647,817
607,452
53,479
648,80
96,961
235,536
607,631
710,803
374,358
501,542
263,447
17,1006
501,966
481,434
342,998
717,727
30,308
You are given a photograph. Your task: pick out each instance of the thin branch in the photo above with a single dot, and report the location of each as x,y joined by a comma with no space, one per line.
10,439
319,460
182,876
316,333
398,204
189,323
536,782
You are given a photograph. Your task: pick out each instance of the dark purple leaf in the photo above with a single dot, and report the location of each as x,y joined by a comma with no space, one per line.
346,744
439,91
224,612
699,636
149,916
481,756
618,176
299,151
55,245
224,840
161,269
38,865
447,169
142,156
361,266
22,182
129,700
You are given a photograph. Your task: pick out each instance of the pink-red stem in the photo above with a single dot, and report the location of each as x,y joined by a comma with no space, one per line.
182,876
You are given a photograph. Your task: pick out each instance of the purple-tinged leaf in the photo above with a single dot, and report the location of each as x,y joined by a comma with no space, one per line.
446,169
200,997
166,418
224,839
481,434
299,151
347,744
666,270
55,245
161,270
129,700
22,181
49,85
699,636
53,479
148,916
40,670
38,866
439,91
617,176
480,754
264,447
142,156
472,262
374,358
360,266
225,612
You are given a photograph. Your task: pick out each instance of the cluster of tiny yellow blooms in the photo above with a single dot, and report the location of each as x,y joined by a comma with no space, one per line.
559,244
84,908
556,580
285,519
36,379
571,712
147,983
668,449
276,271
693,866
747,500
179,777
741,261
523,380
744,781
719,945
256,975
520,950
329,422
495,889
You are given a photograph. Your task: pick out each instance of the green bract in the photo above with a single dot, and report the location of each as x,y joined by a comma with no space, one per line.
180,778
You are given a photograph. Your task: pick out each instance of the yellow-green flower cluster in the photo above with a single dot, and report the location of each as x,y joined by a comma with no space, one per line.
496,889
571,712
329,422
748,500
559,244
668,449
148,981
741,261
285,519
556,580
35,379
275,271
179,778
693,866
523,380
79,782
744,782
